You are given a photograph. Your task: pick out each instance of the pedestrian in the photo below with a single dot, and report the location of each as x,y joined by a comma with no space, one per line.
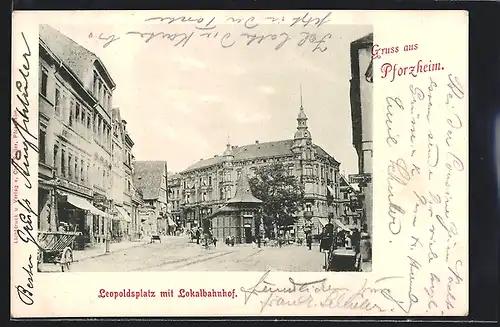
198,234
309,240
355,240
215,242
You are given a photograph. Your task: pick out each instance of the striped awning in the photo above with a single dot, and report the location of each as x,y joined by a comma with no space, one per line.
122,214
323,221
171,222
341,225
83,204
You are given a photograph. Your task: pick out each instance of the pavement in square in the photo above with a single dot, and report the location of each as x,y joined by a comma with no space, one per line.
178,254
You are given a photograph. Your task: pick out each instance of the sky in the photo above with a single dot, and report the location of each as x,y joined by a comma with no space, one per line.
182,104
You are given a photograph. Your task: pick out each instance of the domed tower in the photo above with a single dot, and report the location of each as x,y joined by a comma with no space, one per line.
228,153
302,136
227,172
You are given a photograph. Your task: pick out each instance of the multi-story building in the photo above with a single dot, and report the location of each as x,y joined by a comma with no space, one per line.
129,191
208,184
150,178
121,195
75,92
175,198
362,120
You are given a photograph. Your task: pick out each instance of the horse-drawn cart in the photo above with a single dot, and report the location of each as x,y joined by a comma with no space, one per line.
338,255
56,248
342,259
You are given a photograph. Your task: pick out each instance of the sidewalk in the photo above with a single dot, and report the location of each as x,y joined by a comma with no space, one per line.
100,249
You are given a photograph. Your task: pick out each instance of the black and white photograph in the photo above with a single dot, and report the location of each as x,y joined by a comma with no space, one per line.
212,157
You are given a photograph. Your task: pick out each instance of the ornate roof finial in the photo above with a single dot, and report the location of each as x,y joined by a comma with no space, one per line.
228,140
301,95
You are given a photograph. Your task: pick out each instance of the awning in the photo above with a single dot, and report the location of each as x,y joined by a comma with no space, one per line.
171,222
330,189
84,204
344,227
323,221
123,214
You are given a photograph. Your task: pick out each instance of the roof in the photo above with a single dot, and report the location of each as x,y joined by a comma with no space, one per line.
367,39
171,176
255,151
243,192
77,58
148,177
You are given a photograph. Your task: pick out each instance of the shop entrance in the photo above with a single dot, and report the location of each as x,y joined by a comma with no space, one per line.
248,234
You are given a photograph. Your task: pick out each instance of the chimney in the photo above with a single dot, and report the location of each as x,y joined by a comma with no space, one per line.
256,141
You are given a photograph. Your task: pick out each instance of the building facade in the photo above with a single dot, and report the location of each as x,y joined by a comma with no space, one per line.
150,178
75,142
237,218
208,184
362,123
175,198
121,184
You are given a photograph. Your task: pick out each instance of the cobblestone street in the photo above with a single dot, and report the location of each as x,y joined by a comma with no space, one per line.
176,253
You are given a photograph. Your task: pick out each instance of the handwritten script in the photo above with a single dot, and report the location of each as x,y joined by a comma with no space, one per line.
374,297
25,216
303,30
426,176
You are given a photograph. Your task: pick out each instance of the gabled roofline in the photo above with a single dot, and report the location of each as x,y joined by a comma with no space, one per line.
68,70
108,75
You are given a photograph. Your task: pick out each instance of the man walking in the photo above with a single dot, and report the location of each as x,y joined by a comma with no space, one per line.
309,240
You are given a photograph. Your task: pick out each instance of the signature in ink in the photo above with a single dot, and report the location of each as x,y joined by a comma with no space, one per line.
29,139
25,292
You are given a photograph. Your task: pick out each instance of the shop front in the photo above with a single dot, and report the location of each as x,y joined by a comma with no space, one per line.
101,221
74,214
121,221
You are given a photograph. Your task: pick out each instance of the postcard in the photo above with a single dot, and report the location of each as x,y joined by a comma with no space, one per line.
239,163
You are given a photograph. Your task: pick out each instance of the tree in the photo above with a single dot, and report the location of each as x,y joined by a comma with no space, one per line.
282,196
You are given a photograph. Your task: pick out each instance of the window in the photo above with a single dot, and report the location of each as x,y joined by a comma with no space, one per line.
41,146
99,91
309,171
82,173
77,113
64,105
76,169
63,163
94,85
88,121
87,173
290,170
70,165
210,180
56,164
99,131
71,114
43,84
58,102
